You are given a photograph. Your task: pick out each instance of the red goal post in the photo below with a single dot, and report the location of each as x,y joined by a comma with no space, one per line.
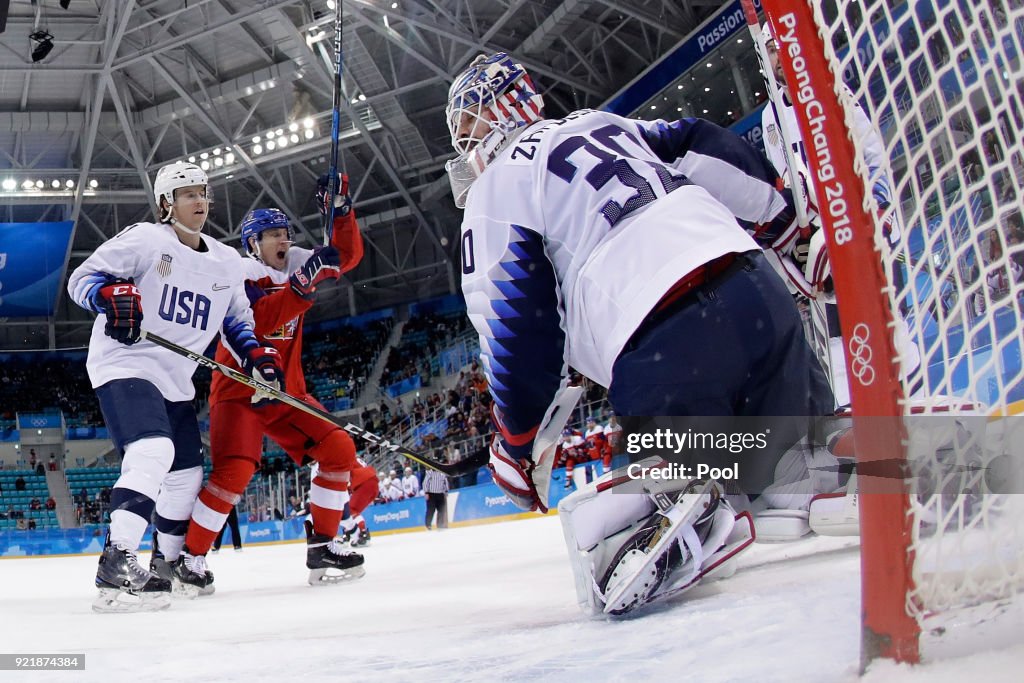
942,84
875,391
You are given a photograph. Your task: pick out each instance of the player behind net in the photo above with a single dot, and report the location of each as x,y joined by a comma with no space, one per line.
281,280
192,288
613,246
801,257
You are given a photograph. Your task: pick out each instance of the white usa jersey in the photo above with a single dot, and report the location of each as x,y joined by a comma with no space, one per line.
188,296
579,228
867,139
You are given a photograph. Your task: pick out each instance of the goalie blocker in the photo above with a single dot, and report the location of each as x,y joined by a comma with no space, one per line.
632,542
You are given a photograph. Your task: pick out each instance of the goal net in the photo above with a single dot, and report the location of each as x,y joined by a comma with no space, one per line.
927,244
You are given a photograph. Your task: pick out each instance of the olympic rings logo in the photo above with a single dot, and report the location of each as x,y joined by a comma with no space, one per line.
860,352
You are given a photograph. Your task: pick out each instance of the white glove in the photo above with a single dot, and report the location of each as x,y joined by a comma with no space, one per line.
514,477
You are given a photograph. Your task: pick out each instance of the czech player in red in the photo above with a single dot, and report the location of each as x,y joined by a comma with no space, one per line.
281,281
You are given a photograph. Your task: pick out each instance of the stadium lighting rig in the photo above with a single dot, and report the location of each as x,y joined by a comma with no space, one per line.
43,40
40,187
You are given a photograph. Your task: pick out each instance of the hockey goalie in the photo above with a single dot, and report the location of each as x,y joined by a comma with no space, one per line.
636,541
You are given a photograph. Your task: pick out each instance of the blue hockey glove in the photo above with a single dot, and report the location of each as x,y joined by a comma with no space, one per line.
323,264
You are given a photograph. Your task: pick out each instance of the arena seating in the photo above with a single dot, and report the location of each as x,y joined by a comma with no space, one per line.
35,487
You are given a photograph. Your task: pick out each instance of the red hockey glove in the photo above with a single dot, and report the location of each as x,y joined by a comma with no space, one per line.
514,477
122,305
323,264
342,200
264,363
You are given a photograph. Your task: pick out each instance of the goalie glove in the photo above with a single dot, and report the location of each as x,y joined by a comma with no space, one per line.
122,304
342,200
323,264
264,364
514,477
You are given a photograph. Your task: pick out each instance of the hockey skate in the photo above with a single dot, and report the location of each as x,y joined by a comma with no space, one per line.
666,555
358,538
159,565
125,585
324,553
652,541
190,577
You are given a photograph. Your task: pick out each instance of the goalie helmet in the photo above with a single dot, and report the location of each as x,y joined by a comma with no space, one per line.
173,177
488,104
769,39
256,222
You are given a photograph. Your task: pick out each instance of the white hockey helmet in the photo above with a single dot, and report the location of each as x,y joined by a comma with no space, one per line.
769,38
494,90
174,176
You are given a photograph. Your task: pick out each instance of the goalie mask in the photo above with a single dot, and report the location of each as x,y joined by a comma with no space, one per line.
173,177
256,222
488,105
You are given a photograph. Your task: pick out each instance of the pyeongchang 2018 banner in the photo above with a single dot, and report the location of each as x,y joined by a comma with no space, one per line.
32,257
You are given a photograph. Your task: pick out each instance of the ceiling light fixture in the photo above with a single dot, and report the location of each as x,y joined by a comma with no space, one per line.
44,44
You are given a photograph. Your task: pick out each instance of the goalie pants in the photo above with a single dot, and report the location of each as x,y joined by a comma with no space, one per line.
236,444
733,346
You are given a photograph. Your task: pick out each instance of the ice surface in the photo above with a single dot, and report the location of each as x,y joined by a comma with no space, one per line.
481,603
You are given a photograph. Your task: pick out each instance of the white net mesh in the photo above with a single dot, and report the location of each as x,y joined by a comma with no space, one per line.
943,84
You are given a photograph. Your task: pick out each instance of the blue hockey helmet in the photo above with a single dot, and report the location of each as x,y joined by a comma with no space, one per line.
258,220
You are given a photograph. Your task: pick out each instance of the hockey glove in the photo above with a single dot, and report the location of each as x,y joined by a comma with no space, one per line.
342,200
514,477
323,264
122,305
264,363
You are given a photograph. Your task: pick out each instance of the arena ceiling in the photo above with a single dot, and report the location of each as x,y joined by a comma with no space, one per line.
131,85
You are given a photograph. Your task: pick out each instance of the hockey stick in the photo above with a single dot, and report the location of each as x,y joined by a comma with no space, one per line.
775,101
818,319
464,466
335,125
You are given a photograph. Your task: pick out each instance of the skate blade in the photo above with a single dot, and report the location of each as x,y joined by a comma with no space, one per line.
320,577
630,583
636,575
112,600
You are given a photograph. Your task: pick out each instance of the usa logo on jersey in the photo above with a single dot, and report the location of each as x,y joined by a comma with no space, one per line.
163,269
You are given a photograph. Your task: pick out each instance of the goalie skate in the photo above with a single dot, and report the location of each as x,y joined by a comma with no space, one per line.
328,562
648,540
125,585
642,564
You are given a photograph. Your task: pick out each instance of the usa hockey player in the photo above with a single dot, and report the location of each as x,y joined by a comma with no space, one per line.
281,280
612,245
800,255
192,288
